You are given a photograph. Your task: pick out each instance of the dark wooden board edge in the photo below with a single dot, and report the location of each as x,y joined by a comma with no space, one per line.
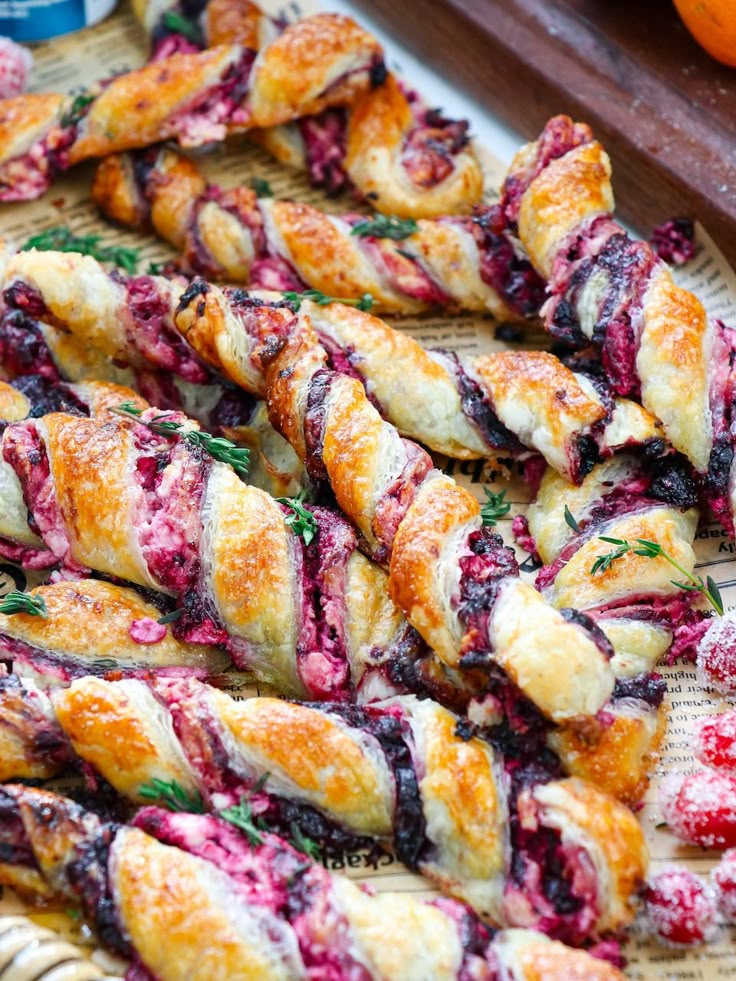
527,60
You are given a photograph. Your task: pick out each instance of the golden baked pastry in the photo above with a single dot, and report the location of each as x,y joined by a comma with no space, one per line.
190,897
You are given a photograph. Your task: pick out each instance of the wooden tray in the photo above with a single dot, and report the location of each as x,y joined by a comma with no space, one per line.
665,111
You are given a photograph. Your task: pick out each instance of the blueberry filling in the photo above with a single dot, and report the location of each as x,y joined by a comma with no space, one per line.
23,350
649,688
477,407
482,572
511,276
48,396
674,241
88,877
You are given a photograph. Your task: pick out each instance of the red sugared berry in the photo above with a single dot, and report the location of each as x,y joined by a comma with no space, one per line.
716,657
680,909
724,881
15,67
701,808
715,741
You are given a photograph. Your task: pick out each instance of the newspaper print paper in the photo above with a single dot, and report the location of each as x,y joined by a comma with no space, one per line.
67,64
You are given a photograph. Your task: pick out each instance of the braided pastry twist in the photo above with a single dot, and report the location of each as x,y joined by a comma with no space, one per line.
485,831
501,406
199,98
454,262
654,339
189,897
392,149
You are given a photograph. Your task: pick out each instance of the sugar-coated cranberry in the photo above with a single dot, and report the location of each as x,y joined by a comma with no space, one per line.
15,67
724,882
715,741
701,808
716,657
680,909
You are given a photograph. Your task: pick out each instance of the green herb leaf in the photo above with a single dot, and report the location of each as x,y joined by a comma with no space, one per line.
177,24
62,239
260,783
78,109
653,550
241,815
261,187
172,795
154,268
571,521
171,617
301,521
218,447
385,226
304,844
494,508
714,595
16,602
365,302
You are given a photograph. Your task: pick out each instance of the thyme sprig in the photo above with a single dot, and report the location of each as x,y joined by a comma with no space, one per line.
385,226
301,521
241,815
494,508
17,602
177,24
218,447
172,795
304,844
652,550
570,520
62,239
365,302
261,187
78,109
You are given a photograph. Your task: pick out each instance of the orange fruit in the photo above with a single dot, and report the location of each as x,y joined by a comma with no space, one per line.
713,25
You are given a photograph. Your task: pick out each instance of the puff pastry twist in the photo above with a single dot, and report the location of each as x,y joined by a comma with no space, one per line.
507,836
29,347
188,897
654,338
503,405
633,599
389,147
194,98
315,619
454,262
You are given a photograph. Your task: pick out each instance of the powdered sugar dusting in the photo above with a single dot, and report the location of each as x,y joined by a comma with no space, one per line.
700,808
680,908
716,656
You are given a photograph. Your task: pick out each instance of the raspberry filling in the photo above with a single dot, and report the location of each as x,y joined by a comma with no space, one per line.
559,137
397,498
152,333
511,276
323,137
315,420
25,451
483,571
322,661
430,146
26,177
207,118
